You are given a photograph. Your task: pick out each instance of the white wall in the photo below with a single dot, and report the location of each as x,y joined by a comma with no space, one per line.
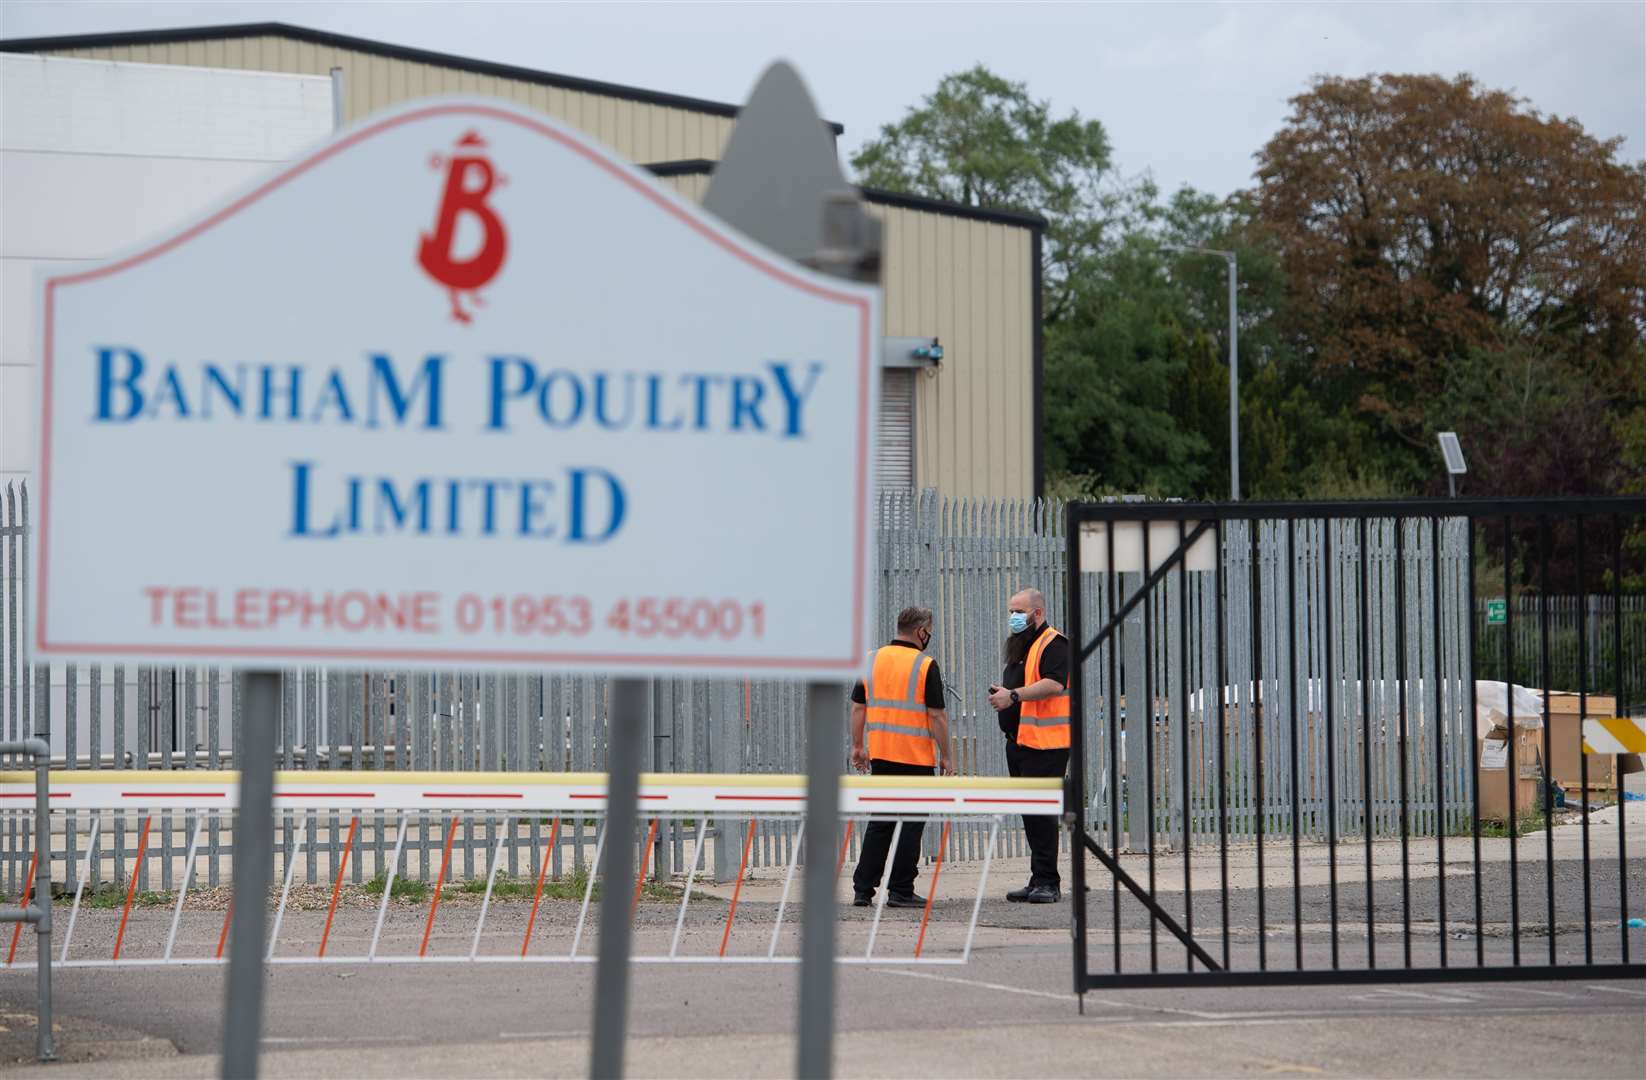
98,156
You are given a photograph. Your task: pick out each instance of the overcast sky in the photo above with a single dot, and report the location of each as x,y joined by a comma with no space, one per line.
1187,91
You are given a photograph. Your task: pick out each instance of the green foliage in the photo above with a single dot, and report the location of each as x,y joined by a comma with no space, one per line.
981,140
1395,279
404,888
112,894
569,887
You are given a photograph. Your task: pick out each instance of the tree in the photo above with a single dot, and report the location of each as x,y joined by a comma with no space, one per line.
981,140
1123,373
1427,223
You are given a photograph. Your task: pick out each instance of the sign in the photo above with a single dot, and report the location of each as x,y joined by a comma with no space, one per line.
1497,612
458,388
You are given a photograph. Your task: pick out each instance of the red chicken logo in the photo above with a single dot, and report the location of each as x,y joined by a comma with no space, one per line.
469,181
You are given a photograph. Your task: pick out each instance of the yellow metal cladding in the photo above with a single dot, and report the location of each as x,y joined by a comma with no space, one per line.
638,130
965,281
968,283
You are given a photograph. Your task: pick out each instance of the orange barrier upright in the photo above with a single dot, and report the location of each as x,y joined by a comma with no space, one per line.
845,843
223,938
931,893
434,905
131,888
537,897
645,862
342,866
28,887
737,889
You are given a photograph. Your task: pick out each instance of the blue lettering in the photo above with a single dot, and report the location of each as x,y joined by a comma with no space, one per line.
703,382
500,392
170,390
545,397
794,399
531,508
749,405
654,390
290,391
108,382
234,395
335,395
300,504
400,400
601,378
389,501
488,515
581,479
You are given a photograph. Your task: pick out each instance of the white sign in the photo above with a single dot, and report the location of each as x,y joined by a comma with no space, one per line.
458,388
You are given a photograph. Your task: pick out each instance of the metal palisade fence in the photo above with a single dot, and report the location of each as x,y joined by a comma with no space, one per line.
1580,637
963,558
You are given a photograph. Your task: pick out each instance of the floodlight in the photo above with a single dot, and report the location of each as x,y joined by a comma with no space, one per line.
1452,451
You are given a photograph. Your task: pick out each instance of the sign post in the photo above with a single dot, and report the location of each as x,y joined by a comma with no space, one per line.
780,182
471,392
253,844
1497,612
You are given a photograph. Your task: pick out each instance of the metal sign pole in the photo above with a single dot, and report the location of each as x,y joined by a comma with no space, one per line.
825,738
780,182
630,698
253,867
253,863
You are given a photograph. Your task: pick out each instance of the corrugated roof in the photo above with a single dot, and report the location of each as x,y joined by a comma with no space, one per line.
375,48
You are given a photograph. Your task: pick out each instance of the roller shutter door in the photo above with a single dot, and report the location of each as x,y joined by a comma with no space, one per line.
895,468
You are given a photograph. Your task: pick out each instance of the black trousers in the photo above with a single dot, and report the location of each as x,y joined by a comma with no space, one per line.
1041,829
877,842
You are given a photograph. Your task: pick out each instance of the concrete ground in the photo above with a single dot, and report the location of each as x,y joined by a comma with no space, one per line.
1008,1012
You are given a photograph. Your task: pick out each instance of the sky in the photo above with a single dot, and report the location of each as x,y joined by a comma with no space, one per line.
1187,91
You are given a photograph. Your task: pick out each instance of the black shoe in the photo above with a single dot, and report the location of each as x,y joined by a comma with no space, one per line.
1017,896
862,899
905,900
1044,894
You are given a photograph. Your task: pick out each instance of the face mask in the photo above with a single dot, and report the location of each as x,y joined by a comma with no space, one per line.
1019,622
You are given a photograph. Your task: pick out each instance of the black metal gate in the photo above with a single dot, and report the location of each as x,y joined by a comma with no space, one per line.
1299,760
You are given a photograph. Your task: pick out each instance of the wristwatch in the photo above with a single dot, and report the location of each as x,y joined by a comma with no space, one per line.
1015,699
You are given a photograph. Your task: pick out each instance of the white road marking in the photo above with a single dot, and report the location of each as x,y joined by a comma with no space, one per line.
1529,990
991,986
300,1040
1272,1016
1457,997
1619,990
540,1034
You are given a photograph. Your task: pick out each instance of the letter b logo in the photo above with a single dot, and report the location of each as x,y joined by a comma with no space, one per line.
469,181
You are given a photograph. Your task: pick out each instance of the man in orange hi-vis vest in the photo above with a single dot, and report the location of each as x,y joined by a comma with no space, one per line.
899,728
1032,703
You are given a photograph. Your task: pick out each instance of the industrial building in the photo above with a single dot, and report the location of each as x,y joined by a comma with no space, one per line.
968,424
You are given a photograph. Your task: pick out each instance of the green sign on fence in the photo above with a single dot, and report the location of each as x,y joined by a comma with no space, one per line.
1497,612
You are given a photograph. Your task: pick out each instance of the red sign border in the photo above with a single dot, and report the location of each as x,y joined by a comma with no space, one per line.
511,656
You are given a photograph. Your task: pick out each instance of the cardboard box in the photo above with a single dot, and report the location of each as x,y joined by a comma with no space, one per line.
1492,780
1566,741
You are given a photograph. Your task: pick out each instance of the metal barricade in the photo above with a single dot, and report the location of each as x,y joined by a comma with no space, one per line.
431,808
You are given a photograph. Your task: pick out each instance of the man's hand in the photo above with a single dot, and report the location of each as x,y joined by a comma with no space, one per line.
947,768
1000,698
860,759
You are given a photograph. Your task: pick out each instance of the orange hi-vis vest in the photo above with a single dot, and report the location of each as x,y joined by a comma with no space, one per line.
1043,724
895,692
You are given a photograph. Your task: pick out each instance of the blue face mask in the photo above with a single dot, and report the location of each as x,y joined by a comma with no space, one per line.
1019,622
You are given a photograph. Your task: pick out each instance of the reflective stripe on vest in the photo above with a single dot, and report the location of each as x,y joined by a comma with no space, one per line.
1043,724
895,691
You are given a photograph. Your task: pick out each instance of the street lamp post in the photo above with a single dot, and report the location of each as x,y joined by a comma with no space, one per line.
1234,365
